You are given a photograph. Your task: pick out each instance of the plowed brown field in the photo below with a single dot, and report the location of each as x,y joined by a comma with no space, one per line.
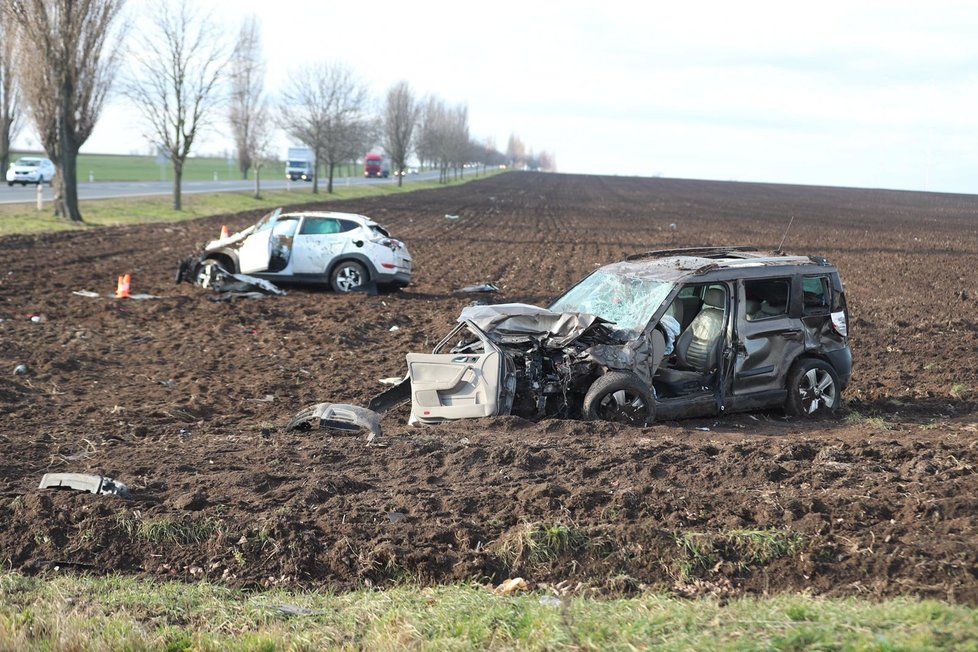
171,397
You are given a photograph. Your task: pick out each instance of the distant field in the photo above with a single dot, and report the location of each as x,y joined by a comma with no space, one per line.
120,167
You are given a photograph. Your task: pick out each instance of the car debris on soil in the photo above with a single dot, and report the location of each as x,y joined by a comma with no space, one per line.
94,484
486,288
226,283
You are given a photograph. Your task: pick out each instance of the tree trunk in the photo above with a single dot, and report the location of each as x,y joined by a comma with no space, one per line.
4,147
400,176
68,171
315,173
177,185
257,182
329,183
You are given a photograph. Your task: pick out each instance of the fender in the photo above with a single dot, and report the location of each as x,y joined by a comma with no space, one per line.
223,255
357,256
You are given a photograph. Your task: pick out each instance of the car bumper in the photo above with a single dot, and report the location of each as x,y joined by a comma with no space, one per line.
398,278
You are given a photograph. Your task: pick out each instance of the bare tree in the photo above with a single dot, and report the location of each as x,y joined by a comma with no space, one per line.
515,151
10,113
325,109
458,139
259,142
174,80
400,117
247,93
65,69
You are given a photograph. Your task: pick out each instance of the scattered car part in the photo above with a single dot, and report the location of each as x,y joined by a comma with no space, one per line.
20,370
212,275
94,484
336,416
479,288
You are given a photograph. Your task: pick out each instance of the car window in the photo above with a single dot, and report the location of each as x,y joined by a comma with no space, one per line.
347,225
628,302
815,290
265,223
766,298
379,230
320,226
285,227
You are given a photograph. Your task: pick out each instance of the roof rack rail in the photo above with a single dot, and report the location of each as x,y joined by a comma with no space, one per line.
690,251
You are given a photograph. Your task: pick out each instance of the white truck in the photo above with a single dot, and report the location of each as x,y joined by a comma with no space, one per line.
299,164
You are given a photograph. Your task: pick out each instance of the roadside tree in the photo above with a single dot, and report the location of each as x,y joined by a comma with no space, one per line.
400,119
174,80
76,42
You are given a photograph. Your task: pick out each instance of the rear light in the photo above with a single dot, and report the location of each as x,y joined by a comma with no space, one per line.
839,323
388,265
390,243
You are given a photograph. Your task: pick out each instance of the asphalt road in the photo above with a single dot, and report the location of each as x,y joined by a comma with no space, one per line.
113,190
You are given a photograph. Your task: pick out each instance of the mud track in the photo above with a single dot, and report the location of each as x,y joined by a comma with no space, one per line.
172,397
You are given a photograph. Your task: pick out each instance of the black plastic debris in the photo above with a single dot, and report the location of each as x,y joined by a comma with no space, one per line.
480,288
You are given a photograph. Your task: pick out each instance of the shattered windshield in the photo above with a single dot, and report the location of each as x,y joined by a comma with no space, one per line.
627,301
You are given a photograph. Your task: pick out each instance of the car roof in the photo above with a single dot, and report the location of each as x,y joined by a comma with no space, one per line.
338,216
713,263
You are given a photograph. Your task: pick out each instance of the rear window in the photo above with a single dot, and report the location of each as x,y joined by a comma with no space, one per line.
766,298
326,226
379,230
319,226
816,293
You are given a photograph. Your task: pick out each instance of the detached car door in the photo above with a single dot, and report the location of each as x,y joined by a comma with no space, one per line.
462,385
256,249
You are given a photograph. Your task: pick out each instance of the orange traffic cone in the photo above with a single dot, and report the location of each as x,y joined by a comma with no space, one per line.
224,231
122,289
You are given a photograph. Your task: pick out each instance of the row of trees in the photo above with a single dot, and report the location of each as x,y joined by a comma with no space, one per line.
59,60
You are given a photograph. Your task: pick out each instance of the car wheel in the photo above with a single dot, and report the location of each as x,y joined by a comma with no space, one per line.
620,397
813,389
10,183
207,273
348,276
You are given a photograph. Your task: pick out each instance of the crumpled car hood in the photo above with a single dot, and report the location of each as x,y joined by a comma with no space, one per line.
515,322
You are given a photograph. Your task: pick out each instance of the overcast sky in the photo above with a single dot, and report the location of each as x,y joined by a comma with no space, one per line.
881,94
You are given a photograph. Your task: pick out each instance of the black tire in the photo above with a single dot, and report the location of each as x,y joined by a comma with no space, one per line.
10,183
348,276
620,397
813,388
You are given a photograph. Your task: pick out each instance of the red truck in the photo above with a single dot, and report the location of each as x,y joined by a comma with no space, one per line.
374,165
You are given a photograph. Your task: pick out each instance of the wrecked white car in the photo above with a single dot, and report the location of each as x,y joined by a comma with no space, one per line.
346,251
667,334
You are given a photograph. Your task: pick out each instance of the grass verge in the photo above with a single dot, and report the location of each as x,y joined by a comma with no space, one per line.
72,613
25,219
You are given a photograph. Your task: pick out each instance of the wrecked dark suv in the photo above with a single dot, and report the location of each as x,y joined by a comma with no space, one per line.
660,335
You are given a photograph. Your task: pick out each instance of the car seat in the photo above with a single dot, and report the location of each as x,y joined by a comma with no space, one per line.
695,350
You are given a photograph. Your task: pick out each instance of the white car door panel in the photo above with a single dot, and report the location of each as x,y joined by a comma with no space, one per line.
462,385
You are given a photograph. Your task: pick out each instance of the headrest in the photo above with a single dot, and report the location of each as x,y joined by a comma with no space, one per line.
715,298
753,306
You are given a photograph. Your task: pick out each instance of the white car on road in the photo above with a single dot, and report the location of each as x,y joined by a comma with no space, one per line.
348,252
30,169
